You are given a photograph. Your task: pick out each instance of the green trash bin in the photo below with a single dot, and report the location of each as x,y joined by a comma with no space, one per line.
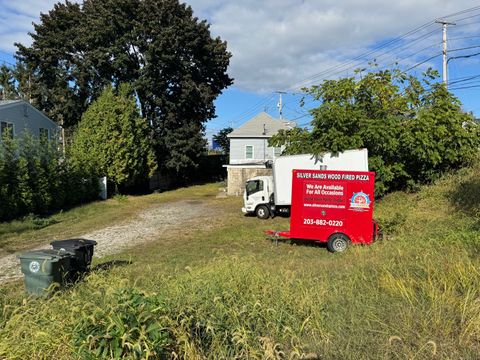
42,268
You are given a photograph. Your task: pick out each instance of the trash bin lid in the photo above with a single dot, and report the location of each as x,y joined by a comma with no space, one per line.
47,254
72,243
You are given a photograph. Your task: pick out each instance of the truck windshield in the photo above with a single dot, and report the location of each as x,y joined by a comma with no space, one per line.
254,186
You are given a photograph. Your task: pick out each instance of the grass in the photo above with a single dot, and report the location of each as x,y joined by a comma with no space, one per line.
32,231
222,290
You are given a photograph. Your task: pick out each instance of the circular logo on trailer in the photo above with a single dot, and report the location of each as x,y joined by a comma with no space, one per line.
34,266
360,201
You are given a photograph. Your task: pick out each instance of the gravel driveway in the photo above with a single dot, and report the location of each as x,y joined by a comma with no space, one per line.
148,226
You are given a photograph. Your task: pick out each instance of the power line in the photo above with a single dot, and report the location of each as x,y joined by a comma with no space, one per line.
422,62
465,37
398,61
359,57
465,48
464,79
300,117
475,8
466,87
468,17
390,42
463,57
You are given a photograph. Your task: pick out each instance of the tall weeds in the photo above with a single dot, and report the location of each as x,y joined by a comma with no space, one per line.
228,293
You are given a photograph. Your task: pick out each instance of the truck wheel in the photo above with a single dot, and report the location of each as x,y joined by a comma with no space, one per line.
338,243
262,212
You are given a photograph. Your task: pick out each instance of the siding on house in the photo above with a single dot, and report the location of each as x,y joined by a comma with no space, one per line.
256,132
25,117
261,151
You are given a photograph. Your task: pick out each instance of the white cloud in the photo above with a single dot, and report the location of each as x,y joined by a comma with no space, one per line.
16,20
277,43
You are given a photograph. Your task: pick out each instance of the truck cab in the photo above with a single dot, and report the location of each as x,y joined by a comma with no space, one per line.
258,195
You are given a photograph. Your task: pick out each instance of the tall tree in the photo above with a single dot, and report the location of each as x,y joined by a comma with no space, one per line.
112,139
168,56
55,59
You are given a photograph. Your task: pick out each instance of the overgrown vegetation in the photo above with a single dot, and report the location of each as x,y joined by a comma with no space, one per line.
414,129
226,292
35,179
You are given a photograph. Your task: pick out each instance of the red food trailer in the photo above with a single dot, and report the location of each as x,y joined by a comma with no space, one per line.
332,206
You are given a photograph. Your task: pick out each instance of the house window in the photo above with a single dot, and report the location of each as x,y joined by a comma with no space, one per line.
277,151
7,129
43,136
249,152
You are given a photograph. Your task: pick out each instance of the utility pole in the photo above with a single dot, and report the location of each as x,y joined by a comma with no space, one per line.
280,104
444,46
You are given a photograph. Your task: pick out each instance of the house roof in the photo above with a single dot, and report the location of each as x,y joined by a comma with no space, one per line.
8,103
263,126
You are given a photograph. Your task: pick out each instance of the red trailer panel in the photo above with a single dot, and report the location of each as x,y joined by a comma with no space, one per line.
329,205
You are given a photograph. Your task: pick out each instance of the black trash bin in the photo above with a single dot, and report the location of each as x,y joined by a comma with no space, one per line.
82,253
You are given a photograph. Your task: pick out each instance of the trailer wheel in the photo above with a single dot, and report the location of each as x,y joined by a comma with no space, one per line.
338,243
262,212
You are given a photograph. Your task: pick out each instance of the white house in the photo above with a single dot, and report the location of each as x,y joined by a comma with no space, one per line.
250,154
18,116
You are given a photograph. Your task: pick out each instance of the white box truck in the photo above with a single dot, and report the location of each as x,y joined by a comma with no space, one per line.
266,196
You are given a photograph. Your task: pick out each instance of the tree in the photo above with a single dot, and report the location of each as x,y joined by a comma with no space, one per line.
7,83
22,76
112,139
157,46
412,135
222,140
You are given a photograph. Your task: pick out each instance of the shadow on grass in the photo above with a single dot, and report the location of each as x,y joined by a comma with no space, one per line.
466,196
28,223
110,265
300,242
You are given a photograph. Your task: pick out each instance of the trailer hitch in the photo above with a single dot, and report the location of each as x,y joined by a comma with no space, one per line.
274,235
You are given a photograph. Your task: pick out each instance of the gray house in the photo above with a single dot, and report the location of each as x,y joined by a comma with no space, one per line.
18,116
249,150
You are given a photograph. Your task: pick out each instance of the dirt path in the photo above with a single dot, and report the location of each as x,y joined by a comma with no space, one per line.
116,238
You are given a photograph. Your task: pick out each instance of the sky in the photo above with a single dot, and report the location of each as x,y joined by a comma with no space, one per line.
284,45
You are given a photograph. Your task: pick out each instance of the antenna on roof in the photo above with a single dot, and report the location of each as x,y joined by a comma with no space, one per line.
280,104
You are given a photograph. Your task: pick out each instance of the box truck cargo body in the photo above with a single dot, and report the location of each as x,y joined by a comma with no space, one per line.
270,195
335,207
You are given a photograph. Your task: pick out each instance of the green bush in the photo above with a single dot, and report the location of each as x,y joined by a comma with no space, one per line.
36,179
123,323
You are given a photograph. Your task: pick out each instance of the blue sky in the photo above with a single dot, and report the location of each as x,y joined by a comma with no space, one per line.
282,45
